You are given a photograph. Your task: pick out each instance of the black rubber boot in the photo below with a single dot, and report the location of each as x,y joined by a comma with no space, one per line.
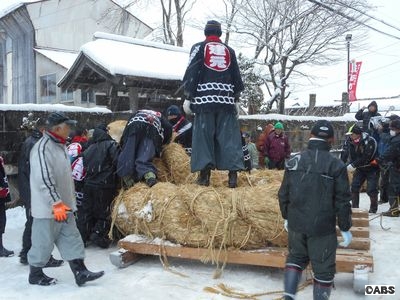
322,289
36,276
204,177
53,263
374,204
3,251
355,200
232,179
394,208
291,281
81,273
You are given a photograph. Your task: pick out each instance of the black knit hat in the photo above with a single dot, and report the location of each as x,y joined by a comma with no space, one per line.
395,124
173,110
322,129
213,28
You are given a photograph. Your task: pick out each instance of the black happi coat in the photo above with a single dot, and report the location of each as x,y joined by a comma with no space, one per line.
212,80
151,124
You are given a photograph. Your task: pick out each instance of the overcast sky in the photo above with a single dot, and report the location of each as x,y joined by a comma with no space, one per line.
380,71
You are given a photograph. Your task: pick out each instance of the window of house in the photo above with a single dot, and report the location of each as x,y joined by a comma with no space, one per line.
48,88
87,96
67,94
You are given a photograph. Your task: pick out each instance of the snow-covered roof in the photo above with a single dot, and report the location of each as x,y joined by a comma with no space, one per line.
349,117
7,6
52,107
129,56
63,58
116,58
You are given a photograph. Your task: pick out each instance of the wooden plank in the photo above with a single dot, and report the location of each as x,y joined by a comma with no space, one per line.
360,222
362,232
346,263
358,243
346,259
359,213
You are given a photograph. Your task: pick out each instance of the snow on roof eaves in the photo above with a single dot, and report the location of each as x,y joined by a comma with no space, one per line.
51,107
8,6
132,57
63,58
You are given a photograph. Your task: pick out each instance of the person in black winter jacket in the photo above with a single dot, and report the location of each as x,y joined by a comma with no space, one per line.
212,86
4,197
181,127
100,163
360,149
365,117
314,194
391,159
142,140
25,191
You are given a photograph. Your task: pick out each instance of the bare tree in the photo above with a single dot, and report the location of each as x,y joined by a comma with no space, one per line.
290,33
174,14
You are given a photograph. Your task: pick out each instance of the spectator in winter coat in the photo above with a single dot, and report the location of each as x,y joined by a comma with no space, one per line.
142,140
4,197
313,197
25,192
276,148
100,163
212,86
260,144
251,148
181,127
391,160
360,149
365,117
384,140
53,204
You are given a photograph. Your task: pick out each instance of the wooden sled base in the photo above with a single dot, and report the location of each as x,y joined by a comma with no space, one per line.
346,259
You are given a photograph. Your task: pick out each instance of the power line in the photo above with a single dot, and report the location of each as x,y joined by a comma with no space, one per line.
352,19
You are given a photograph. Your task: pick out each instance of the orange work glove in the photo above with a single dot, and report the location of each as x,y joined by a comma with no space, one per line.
60,211
374,163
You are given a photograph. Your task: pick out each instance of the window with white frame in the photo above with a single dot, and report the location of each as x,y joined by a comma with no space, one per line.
48,88
87,96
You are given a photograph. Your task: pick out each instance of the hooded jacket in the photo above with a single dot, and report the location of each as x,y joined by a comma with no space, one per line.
100,160
50,176
315,191
365,116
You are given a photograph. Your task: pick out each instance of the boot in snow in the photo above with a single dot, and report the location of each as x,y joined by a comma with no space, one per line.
81,273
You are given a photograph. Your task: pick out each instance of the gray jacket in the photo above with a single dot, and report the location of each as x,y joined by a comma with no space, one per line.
50,177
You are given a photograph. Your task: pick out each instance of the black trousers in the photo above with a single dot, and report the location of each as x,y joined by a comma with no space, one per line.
26,236
319,250
3,217
371,175
95,211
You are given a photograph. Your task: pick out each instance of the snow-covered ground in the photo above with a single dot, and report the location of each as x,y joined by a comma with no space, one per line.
147,279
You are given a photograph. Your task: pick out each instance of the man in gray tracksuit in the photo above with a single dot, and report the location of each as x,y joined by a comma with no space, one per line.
53,203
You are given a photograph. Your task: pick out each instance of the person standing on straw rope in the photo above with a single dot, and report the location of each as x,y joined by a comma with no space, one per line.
212,86
142,140
315,192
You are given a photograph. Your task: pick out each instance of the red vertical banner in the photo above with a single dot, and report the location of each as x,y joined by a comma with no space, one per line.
353,78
